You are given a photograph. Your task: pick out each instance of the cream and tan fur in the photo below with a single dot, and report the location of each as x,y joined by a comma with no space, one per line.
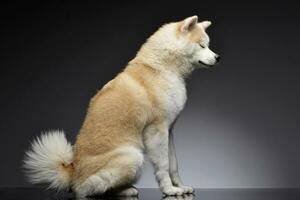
131,115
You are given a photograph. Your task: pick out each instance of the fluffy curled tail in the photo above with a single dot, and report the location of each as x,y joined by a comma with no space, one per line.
50,160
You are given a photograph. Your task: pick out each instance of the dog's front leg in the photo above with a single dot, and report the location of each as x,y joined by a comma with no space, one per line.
176,180
156,143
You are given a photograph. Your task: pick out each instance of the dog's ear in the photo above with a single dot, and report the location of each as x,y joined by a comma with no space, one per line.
189,23
205,24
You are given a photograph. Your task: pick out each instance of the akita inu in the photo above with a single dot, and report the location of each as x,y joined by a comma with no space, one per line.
132,114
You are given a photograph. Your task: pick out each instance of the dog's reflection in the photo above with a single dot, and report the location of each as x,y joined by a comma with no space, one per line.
183,197
108,198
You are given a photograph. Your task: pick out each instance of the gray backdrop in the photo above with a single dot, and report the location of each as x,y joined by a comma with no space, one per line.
240,125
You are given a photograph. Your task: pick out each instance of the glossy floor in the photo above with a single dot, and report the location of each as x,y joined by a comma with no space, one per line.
154,194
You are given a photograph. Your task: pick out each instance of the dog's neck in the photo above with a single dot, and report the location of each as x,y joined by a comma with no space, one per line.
164,60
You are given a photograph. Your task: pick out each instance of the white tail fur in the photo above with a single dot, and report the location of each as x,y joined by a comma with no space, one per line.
47,161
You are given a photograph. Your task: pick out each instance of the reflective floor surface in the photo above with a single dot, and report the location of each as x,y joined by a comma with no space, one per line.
155,194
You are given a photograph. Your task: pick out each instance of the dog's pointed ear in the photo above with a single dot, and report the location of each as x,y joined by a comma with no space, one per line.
189,24
205,24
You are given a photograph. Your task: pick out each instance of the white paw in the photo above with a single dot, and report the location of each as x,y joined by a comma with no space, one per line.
183,197
187,189
128,192
173,191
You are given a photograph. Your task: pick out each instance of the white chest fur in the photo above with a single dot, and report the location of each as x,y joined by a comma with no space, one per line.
173,96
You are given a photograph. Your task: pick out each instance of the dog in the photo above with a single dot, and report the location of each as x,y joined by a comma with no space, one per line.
132,115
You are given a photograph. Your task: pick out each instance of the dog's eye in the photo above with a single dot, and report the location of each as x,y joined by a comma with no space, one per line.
201,45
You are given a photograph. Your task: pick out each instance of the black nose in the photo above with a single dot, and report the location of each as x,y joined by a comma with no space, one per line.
218,58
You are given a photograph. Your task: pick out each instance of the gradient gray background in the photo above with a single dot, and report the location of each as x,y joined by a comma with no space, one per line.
240,125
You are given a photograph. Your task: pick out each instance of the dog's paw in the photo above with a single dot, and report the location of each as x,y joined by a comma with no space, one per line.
187,189
173,191
129,192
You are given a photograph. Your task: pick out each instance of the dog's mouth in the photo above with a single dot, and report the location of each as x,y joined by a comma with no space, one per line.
205,65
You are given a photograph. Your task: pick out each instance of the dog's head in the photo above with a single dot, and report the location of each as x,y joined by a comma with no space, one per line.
195,42
181,46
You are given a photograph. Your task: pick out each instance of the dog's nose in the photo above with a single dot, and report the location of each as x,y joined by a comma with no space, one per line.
217,58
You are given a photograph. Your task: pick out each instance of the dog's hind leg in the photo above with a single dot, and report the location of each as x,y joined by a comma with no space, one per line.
121,170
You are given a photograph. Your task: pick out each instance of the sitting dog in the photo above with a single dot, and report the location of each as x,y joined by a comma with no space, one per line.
132,115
